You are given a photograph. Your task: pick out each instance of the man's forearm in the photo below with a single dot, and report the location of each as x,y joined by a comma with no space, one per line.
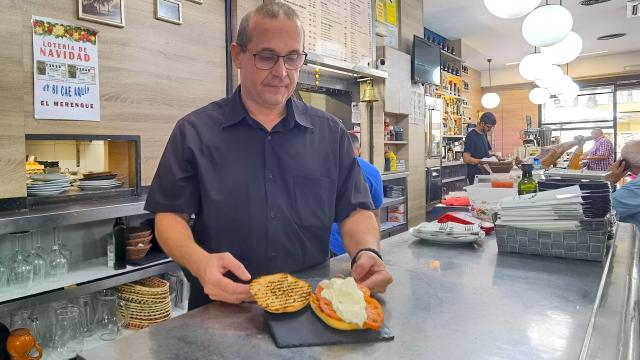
176,239
597,157
360,230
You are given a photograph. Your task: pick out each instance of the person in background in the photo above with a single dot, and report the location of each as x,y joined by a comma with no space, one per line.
626,200
374,181
477,147
264,175
600,157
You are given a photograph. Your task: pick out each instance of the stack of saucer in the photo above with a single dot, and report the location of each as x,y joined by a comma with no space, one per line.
47,184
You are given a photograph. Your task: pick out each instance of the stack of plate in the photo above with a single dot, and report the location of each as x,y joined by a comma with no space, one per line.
47,185
102,181
595,194
147,302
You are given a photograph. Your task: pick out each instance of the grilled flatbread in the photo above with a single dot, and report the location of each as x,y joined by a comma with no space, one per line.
280,293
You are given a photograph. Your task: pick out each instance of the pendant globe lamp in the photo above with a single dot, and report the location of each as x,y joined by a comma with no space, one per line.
565,51
534,66
490,100
510,9
547,25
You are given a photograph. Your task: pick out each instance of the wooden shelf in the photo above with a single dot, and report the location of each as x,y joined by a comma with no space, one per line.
452,75
396,142
453,136
467,106
444,94
450,55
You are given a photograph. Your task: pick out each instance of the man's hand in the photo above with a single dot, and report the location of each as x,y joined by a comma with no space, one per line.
617,171
217,286
371,272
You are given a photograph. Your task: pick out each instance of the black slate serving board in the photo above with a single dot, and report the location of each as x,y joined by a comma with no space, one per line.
303,328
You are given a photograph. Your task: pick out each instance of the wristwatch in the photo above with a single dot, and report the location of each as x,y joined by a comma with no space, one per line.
376,252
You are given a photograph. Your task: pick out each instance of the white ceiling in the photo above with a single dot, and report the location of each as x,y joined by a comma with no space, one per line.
487,36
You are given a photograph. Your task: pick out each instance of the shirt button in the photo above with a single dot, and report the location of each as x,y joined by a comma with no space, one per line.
272,215
268,137
270,175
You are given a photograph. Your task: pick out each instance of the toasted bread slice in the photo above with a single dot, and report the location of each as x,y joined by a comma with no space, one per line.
280,293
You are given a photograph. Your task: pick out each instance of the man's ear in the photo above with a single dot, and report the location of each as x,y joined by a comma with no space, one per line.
236,50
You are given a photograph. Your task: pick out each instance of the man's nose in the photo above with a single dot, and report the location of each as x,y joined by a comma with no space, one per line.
279,69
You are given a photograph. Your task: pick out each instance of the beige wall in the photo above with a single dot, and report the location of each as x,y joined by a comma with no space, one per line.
412,23
151,74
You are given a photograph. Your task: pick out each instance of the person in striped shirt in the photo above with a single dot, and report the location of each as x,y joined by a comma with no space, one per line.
600,157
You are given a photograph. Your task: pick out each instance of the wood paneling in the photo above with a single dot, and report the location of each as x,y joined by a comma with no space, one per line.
511,116
411,23
152,73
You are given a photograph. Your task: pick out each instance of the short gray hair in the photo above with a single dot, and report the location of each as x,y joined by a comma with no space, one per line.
631,154
270,10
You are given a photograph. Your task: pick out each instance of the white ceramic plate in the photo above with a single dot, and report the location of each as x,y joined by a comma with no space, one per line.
98,182
46,193
48,177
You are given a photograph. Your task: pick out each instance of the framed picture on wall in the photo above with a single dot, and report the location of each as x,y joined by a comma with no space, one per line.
108,12
169,10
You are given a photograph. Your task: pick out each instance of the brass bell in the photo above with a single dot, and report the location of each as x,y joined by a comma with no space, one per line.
369,93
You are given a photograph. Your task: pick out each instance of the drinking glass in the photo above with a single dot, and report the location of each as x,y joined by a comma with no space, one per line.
36,243
27,319
107,322
20,270
57,263
64,249
37,259
68,340
4,275
87,312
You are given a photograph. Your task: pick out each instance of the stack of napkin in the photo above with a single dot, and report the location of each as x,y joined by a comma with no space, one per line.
559,209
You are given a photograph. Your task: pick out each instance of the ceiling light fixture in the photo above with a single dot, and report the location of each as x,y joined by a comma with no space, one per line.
510,9
490,100
592,2
565,51
551,78
547,25
611,36
539,96
534,66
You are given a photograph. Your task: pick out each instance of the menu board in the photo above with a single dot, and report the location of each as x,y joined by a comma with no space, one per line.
337,29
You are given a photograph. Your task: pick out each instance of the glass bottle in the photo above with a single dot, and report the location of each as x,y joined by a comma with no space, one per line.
120,237
527,184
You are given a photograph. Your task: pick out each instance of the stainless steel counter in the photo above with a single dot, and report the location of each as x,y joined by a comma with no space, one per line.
446,303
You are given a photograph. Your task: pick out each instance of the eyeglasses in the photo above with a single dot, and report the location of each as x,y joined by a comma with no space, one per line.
266,61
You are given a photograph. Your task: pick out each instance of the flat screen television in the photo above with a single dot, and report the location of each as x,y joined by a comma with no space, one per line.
425,62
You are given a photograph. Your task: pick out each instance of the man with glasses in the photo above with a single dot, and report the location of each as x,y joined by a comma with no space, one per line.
477,147
263,175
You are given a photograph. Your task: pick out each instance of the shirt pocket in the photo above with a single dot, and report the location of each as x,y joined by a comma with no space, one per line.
314,199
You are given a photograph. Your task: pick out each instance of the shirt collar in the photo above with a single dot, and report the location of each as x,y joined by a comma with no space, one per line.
237,111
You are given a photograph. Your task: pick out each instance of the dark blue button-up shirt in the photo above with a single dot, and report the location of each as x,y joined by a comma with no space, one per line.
267,197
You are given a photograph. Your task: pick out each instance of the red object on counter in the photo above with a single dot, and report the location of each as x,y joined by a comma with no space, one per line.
502,184
456,201
466,219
